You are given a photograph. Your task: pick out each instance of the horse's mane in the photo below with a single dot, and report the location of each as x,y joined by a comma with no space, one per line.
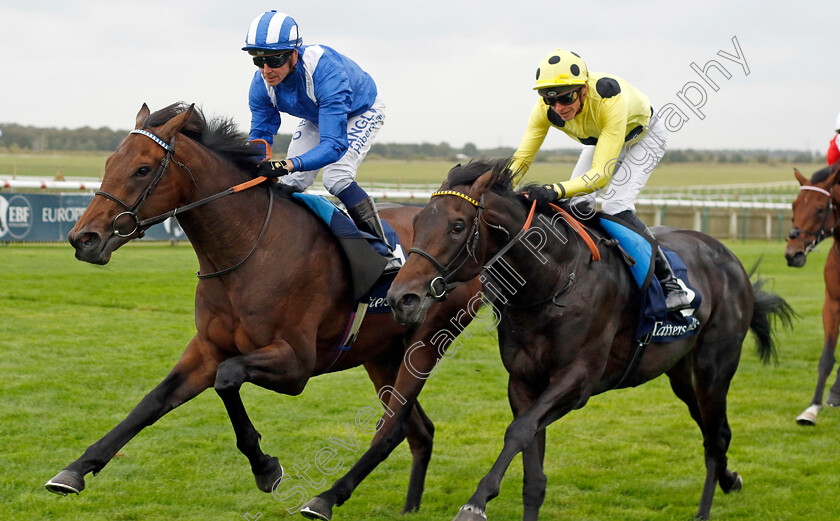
219,134
502,177
823,173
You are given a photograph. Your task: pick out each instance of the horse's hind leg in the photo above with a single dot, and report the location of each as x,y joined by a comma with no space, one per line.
190,376
704,392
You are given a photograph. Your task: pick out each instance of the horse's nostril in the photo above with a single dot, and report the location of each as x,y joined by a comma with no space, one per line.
408,301
84,240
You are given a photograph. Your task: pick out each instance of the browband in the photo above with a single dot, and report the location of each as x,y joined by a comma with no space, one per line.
816,189
166,146
458,194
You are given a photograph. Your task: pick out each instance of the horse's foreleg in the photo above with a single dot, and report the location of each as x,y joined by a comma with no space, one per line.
831,322
190,376
400,402
274,368
533,486
833,398
421,433
521,399
831,319
824,368
561,396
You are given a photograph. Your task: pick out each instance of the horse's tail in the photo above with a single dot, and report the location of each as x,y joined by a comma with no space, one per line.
768,308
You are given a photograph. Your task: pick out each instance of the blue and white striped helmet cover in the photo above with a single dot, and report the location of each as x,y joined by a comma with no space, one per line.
272,31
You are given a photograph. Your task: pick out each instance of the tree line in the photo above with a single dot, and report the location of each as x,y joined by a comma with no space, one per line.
17,139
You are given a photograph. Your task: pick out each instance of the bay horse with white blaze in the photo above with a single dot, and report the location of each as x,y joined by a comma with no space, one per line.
816,214
566,334
273,302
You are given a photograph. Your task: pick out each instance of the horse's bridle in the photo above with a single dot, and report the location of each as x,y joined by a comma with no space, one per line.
132,210
440,285
822,233
141,225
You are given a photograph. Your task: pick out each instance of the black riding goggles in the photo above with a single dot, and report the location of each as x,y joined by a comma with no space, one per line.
275,61
564,99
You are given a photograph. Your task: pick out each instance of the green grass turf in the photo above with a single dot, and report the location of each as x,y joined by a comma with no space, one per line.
82,344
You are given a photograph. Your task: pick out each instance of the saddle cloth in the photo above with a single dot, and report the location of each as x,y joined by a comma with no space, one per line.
655,324
364,252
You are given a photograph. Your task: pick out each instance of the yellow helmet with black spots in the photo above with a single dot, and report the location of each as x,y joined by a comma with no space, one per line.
559,71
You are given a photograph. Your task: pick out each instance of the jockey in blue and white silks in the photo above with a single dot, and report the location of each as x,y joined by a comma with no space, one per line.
338,104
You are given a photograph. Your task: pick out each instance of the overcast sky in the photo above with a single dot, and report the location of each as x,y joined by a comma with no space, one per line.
459,71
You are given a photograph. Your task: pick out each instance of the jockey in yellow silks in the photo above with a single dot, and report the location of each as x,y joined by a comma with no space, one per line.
622,142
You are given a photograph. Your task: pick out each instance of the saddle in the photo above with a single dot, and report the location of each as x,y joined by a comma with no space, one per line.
364,252
655,323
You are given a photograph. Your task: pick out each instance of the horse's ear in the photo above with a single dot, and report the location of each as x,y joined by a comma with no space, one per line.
446,184
800,177
141,116
482,184
174,125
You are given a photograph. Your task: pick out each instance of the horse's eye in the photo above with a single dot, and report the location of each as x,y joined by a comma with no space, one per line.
143,171
456,227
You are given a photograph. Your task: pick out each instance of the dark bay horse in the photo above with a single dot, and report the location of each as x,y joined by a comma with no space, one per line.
816,214
568,322
277,308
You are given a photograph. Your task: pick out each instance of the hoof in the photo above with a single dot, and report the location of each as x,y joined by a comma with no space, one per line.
809,416
737,485
470,513
832,400
317,508
66,482
266,482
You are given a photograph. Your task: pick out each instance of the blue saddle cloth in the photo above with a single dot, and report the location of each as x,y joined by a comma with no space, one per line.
368,284
654,318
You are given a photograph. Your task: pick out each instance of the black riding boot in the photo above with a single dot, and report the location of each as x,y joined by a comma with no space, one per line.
675,296
366,217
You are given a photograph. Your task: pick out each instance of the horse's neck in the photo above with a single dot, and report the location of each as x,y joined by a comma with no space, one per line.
541,261
222,231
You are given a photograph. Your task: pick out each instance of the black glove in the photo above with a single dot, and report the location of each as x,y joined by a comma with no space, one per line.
543,195
273,168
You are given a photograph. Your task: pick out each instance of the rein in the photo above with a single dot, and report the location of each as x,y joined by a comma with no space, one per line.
143,224
581,231
822,233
